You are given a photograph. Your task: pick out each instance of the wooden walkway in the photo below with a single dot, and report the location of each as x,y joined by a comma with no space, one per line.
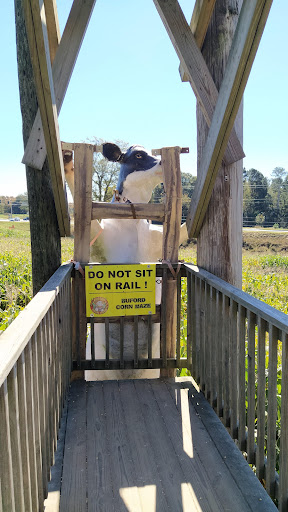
150,446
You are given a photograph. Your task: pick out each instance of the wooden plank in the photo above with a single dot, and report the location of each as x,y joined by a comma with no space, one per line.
251,388
196,69
226,360
39,49
6,466
53,28
219,358
247,37
52,503
200,20
39,433
241,336
283,469
272,411
190,323
210,457
33,457
234,370
24,427
83,165
73,491
213,347
146,465
124,211
63,64
15,440
120,455
99,495
170,159
174,409
43,413
254,496
169,466
261,399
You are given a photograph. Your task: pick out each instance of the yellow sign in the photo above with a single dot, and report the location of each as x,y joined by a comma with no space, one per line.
120,290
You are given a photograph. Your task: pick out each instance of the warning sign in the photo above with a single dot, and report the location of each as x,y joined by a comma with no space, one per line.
120,290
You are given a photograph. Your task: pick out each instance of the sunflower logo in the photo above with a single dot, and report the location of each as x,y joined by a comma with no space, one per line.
99,305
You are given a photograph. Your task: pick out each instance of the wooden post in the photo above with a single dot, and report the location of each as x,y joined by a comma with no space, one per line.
83,164
219,245
45,236
171,234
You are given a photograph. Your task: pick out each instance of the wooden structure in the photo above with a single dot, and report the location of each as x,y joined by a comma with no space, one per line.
227,330
170,214
135,446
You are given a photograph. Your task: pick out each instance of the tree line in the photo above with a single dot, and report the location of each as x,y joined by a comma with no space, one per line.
265,201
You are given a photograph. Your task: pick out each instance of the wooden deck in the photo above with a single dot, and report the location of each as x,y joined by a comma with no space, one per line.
149,446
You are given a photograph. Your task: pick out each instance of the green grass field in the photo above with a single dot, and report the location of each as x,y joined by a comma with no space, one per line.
16,268
265,267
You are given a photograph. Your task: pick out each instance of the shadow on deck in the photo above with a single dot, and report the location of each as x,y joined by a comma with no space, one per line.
149,446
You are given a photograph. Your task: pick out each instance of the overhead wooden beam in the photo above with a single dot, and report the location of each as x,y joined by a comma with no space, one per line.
246,40
63,65
196,69
39,49
199,24
53,28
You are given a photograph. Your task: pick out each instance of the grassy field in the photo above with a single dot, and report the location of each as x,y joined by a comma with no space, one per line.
265,267
16,268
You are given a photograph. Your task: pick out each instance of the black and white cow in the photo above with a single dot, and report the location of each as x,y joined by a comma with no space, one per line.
127,241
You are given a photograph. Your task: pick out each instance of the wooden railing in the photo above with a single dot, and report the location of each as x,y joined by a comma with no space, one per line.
239,359
35,366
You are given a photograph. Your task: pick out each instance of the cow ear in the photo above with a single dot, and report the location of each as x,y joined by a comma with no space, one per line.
112,152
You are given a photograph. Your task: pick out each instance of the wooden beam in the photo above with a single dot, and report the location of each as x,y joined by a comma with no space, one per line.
53,28
199,24
39,49
196,68
63,65
246,40
83,168
128,211
170,161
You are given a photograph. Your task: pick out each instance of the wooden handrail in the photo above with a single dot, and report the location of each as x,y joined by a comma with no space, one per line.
239,350
256,306
35,368
17,335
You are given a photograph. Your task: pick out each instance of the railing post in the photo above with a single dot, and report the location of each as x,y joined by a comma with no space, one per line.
83,163
170,160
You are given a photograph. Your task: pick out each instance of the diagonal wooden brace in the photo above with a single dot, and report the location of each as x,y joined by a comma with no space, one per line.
36,26
246,40
195,68
63,64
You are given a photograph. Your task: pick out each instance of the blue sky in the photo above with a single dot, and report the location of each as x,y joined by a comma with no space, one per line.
126,86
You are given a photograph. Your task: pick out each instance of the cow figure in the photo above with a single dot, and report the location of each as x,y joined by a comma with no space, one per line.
126,241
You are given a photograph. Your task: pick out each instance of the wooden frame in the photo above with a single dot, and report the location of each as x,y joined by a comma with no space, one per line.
170,213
